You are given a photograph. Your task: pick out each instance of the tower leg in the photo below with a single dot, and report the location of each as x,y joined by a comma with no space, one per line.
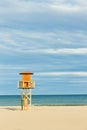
25,102
30,97
26,95
22,100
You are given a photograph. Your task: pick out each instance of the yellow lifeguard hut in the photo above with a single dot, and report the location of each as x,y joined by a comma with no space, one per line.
26,84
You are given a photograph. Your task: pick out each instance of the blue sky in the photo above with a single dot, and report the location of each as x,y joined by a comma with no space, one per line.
48,38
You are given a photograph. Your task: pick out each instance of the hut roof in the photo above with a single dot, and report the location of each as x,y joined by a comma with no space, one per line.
26,72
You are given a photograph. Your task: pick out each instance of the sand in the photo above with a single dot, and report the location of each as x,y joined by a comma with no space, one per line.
44,118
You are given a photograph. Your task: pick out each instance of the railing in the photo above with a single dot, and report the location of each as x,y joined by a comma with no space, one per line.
26,84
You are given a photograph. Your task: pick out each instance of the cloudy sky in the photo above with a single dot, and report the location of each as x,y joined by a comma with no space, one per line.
48,38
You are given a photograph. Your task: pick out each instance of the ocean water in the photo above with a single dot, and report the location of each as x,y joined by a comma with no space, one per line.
57,100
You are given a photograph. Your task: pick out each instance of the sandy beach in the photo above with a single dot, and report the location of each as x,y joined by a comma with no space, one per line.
44,118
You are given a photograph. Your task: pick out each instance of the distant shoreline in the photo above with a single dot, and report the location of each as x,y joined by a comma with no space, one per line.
46,100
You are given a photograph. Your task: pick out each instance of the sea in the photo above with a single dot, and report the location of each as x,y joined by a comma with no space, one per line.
45,100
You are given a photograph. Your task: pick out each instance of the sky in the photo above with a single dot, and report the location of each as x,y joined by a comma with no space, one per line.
48,38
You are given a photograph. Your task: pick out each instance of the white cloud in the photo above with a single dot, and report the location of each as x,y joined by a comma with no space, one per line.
61,73
61,42
69,2
78,51
81,2
12,68
21,7
65,8
65,51
48,14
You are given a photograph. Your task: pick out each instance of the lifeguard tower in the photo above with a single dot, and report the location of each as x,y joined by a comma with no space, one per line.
26,85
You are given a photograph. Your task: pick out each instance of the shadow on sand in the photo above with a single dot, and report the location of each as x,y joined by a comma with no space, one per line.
11,108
